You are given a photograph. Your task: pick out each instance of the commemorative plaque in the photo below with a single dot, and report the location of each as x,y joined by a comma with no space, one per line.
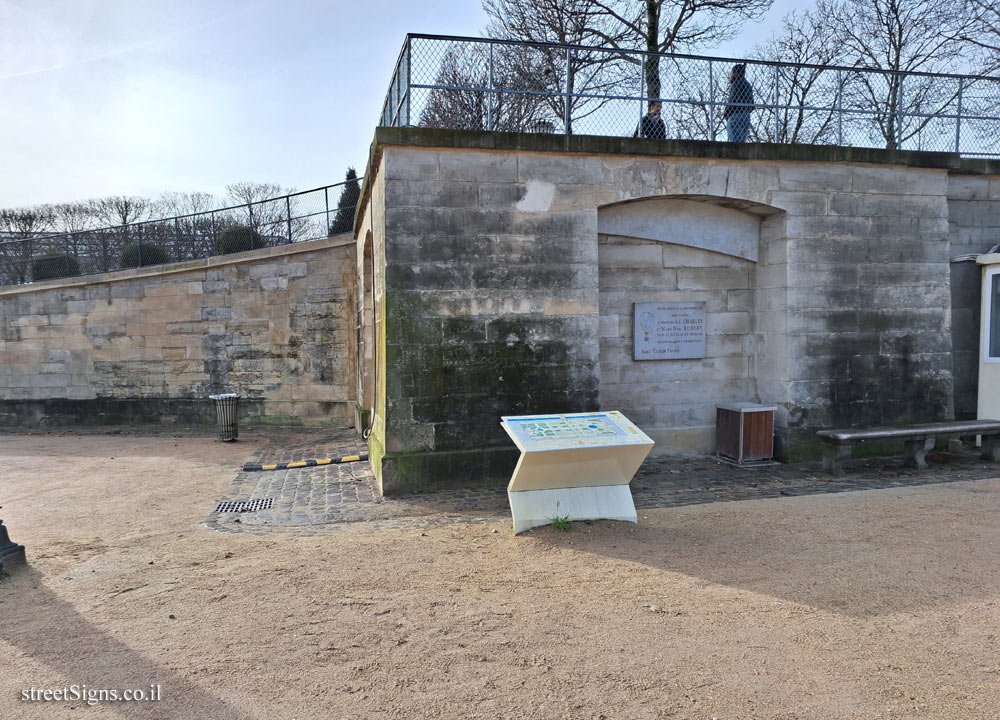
668,330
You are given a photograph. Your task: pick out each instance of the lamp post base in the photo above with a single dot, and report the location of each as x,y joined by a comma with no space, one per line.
10,552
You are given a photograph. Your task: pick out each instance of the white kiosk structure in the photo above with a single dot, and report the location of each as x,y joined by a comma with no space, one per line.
577,466
989,339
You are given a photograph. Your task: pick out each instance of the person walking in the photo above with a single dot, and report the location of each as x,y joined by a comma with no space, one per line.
652,125
740,104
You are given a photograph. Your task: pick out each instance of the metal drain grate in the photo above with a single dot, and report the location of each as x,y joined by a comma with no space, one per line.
241,506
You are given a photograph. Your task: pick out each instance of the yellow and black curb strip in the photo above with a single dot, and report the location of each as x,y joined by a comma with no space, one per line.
305,463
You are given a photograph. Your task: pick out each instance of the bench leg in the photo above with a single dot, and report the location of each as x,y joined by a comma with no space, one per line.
833,457
916,451
991,448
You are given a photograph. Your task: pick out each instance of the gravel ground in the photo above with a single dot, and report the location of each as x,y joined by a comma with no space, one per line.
864,604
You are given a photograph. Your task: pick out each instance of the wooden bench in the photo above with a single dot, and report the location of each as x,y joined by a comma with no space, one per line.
918,439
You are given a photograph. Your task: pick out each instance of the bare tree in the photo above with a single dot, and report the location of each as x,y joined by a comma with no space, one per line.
902,37
516,109
115,215
121,209
192,235
580,73
805,96
71,219
660,26
986,32
171,204
18,230
268,211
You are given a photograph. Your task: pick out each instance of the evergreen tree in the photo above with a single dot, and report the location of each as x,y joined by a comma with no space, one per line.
344,221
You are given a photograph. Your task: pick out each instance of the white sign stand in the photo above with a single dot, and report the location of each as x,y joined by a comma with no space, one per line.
576,466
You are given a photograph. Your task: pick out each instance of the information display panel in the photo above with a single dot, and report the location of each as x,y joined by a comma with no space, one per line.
559,432
576,465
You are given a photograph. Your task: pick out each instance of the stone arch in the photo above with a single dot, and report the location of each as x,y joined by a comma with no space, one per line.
709,222
687,249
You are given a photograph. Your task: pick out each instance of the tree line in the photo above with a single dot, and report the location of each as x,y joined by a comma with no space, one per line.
115,232
897,37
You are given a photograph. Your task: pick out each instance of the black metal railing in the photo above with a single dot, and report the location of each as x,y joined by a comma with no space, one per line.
297,217
485,84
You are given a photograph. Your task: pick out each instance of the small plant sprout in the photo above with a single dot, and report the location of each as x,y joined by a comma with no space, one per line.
561,522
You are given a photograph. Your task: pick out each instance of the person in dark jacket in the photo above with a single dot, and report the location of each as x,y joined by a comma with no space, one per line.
740,104
652,125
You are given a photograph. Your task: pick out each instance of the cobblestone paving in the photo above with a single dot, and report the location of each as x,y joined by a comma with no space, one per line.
332,498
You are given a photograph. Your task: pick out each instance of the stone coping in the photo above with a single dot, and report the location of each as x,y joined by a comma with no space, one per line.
341,240
696,149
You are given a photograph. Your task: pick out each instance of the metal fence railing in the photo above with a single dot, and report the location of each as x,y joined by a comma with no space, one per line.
297,217
483,84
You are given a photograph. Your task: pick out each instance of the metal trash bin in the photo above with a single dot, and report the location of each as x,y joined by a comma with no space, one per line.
226,407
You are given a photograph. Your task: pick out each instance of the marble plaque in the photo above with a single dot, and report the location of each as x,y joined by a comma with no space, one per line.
668,330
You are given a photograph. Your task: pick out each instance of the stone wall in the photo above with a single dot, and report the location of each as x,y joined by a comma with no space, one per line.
491,309
494,300
149,345
674,401
974,223
869,316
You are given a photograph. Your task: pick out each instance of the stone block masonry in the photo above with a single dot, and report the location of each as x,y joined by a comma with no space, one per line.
150,345
824,272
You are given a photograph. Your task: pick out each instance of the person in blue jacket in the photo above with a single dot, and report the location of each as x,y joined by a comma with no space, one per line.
740,104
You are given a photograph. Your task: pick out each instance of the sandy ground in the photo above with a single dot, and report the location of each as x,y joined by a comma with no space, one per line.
877,604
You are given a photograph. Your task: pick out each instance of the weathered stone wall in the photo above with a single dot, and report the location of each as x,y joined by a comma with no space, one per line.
150,345
493,292
491,309
674,401
869,320
974,223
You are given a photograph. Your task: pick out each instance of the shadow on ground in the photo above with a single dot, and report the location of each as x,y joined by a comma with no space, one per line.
51,631
769,547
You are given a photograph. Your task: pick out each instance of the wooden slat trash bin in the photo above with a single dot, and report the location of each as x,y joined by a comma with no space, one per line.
744,432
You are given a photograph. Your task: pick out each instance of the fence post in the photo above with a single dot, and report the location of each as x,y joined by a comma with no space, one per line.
215,237
642,96
399,92
958,116
566,88
777,123
840,107
711,99
489,97
177,238
288,217
409,62
899,115
326,201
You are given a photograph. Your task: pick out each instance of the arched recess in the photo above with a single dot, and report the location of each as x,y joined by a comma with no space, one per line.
366,333
701,250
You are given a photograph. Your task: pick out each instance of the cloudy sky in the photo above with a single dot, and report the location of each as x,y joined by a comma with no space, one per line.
108,97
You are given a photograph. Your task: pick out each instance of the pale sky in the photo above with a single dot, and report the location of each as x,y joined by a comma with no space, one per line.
139,97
